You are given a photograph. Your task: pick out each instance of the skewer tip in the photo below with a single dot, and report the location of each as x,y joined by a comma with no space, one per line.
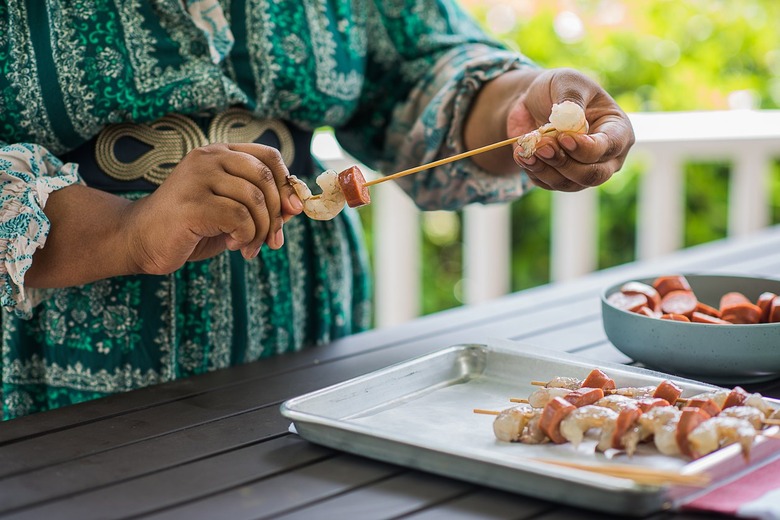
486,412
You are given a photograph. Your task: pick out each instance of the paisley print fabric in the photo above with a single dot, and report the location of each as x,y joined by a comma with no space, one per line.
394,78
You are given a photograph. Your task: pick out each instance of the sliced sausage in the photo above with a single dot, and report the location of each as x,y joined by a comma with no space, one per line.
647,311
353,184
708,310
689,420
552,415
742,313
674,317
668,390
584,396
653,298
666,284
625,420
679,302
764,303
731,299
700,317
598,379
736,397
707,405
774,311
628,302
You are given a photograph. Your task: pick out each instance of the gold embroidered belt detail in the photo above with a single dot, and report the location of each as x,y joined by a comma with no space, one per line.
174,136
140,156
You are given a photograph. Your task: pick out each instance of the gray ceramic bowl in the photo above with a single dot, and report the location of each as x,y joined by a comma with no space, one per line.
720,354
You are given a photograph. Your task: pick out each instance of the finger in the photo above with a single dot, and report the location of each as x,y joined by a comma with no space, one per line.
256,172
225,215
550,177
253,198
607,140
291,204
537,182
583,175
571,85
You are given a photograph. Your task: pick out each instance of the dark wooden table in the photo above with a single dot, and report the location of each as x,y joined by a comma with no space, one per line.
216,446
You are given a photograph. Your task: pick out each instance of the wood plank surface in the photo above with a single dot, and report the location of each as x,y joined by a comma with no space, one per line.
215,446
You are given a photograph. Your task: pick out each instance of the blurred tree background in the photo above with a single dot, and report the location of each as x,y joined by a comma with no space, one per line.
651,55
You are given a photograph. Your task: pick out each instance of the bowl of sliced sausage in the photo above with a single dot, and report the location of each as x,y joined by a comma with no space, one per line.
716,328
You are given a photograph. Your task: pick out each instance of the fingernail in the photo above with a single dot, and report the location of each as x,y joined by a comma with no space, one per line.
568,142
546,151
279,238
296,203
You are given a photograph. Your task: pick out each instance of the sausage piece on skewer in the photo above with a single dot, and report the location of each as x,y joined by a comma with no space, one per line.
353,184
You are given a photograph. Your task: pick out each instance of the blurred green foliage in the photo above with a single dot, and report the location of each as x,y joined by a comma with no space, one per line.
651,55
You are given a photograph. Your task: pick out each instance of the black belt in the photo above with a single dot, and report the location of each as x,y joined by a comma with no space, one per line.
140,156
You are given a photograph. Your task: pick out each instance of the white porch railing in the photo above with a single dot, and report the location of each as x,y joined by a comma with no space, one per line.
750,140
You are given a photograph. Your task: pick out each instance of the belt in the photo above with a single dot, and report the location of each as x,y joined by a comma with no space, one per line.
140,156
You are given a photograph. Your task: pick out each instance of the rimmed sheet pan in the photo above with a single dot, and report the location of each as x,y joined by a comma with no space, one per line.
418,414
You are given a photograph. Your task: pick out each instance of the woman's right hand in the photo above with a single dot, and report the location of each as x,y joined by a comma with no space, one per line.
220,196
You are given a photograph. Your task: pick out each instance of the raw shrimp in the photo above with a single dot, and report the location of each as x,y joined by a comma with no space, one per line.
542,396
572,383
533,433
717,432
757,401
325,206
574,425
616,402
510,423
661,421
636,392
666,437
565,117
752,415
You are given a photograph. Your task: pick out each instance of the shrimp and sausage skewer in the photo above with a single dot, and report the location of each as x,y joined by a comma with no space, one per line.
565,117
346,187
328,204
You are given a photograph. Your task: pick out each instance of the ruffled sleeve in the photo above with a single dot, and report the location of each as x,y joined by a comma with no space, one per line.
420,84
28,174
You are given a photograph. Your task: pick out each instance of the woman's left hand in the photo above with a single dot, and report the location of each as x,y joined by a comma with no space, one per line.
569,161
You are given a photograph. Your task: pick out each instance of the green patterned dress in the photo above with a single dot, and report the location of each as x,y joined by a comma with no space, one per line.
394,79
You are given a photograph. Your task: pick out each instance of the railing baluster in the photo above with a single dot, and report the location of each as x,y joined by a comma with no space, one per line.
396,256
749,191
574,234
660,209
487,241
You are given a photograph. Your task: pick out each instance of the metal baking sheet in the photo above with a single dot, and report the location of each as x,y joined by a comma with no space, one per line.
419,414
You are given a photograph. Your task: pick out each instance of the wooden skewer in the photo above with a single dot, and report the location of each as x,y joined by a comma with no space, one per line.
772,422
446,160
539,383
518,400
640,475
434,164
486,412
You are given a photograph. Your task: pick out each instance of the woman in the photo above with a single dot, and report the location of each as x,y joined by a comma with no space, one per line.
137,251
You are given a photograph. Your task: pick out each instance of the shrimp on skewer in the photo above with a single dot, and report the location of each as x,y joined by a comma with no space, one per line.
570,383
509,425
717,432
748,413
565,117
579,421
542,396
325,206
